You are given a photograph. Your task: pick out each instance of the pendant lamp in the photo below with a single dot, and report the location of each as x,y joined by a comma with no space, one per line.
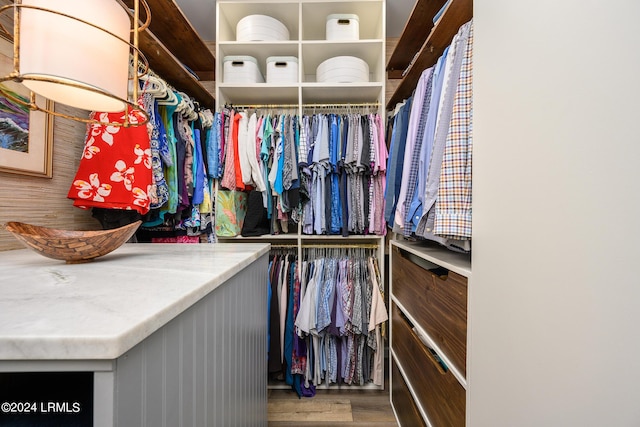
79,53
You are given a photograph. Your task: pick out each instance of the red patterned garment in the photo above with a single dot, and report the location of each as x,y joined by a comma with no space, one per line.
115,168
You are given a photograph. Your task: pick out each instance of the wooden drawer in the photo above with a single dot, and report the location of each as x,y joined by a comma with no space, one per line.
437,303
406,410
437,390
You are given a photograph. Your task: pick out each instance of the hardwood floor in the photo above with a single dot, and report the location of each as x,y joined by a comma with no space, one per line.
369,408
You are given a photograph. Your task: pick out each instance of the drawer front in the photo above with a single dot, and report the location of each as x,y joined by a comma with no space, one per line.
437,390
438,304
406,410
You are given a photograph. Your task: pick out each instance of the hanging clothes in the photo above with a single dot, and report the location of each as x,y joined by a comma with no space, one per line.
344,176
115,170
331,309
433,200
326,171
183,165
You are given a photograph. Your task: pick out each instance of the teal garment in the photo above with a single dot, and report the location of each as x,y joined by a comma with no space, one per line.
171,169
278,185
199,177
158,147
265,147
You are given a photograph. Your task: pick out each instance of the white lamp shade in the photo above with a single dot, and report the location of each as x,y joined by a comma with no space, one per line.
65,50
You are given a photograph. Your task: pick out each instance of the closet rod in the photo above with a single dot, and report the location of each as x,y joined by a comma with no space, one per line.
305,106
335,246
339,246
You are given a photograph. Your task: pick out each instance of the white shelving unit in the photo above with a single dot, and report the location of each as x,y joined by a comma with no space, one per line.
306,22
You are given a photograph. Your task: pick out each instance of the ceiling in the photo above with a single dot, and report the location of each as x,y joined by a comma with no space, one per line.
202,15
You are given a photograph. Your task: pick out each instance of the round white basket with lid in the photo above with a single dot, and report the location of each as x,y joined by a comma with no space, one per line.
343,69
254,28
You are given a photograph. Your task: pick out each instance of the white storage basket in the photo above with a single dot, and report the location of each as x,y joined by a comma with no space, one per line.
343,27
343,69
260,28
241,69
282,69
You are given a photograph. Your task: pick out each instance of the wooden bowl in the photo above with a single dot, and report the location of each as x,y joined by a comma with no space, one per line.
71,246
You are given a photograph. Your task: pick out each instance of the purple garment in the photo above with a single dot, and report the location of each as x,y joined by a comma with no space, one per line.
275,357
337,312
345,298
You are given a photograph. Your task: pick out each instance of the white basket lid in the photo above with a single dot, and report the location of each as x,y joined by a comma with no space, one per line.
246,24
282,59
339,16
350,61
240,58
258,17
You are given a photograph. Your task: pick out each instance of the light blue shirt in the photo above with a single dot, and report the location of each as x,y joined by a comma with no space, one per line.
394,164
415,208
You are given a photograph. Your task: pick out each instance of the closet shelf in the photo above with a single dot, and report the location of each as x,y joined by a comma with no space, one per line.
308,237
163,44
457,262
415,32
267,93
266,237
457,13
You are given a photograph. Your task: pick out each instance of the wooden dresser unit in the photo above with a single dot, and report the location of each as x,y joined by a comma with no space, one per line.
429,289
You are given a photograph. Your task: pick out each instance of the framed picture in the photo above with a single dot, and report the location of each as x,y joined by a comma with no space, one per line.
26,137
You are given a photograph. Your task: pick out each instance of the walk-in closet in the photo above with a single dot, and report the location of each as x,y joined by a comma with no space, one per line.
380,213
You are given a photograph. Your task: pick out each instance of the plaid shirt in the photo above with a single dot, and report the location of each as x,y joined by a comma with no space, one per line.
426,224
453,206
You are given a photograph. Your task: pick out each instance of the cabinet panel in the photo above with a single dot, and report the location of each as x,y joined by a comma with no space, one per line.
406,410
260,93
161,44
416,31
455,15
438,305
174,30
335,94
437,390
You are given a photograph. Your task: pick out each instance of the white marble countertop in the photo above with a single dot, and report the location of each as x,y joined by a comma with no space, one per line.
50,310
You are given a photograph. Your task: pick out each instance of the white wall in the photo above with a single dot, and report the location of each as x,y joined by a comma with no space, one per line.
555,292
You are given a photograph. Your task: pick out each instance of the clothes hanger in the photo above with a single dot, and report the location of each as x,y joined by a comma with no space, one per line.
206,117
182,102
170,99
154,85
191,113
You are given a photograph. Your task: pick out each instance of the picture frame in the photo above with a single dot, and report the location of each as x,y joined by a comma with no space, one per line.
26,137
